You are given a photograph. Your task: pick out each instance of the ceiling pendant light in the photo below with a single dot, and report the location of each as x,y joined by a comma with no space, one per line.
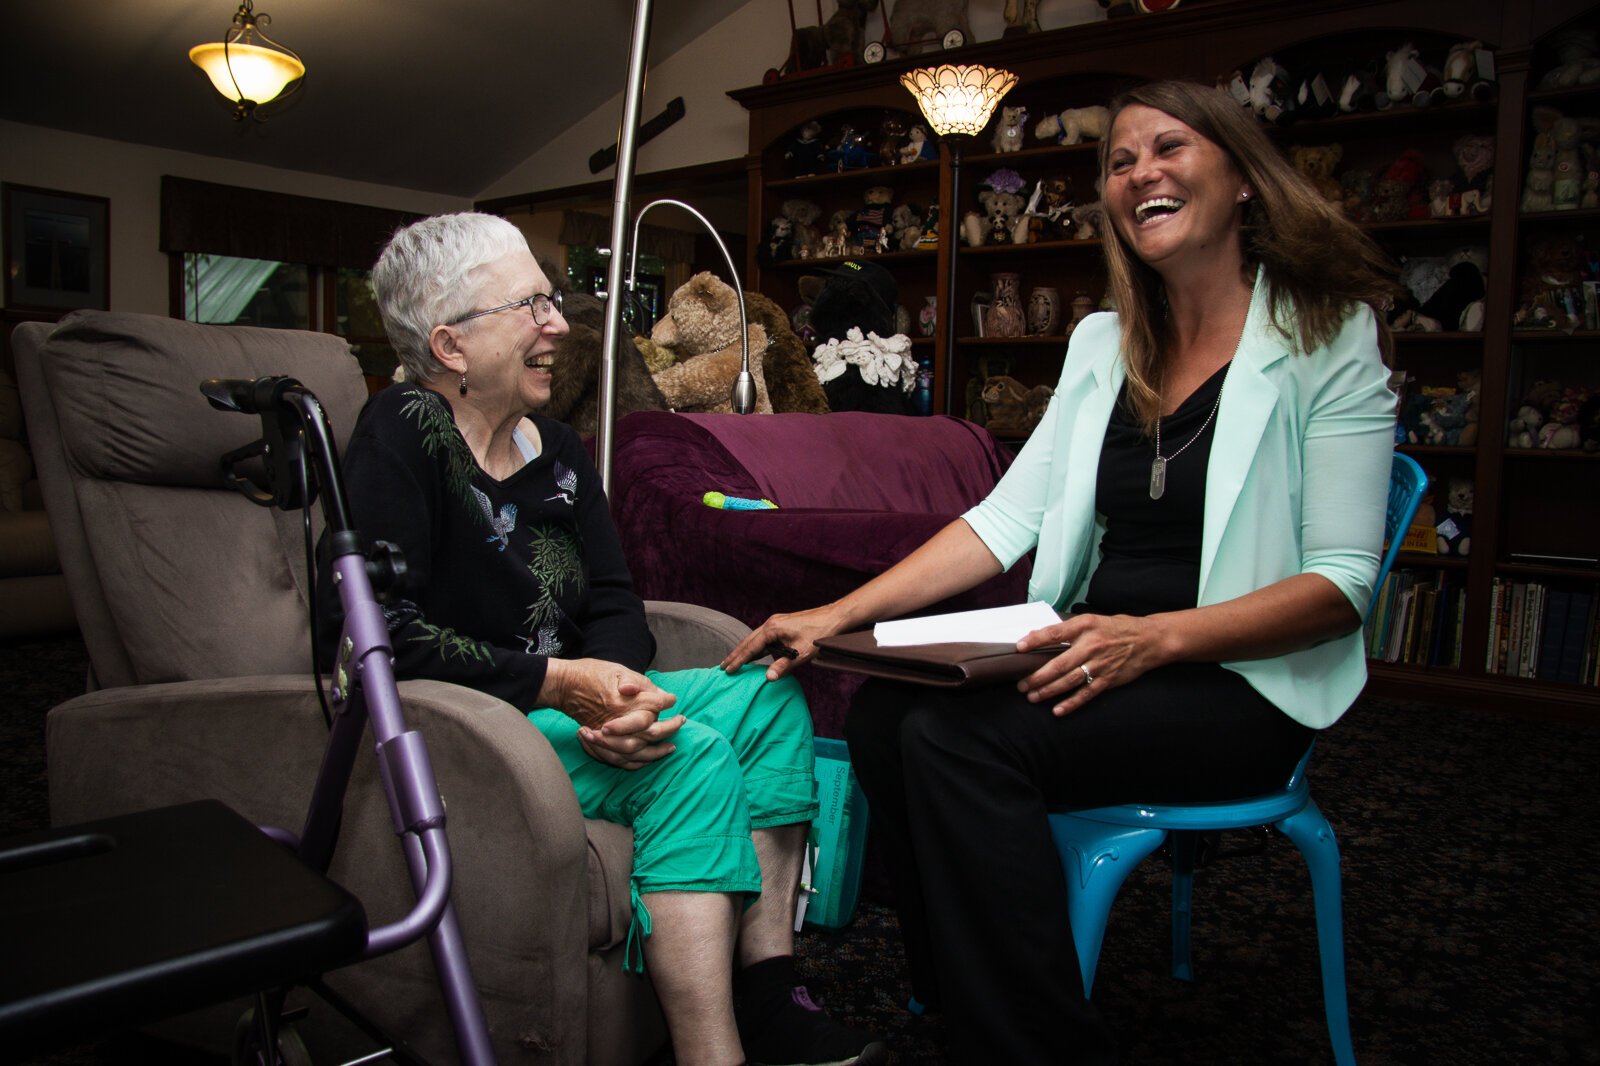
247,66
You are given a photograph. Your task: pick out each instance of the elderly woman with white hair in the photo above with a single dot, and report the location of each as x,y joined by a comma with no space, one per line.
518,588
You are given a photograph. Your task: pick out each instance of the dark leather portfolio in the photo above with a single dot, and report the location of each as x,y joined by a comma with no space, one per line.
955,665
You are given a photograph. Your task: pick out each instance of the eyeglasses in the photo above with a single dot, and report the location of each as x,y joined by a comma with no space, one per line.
540,305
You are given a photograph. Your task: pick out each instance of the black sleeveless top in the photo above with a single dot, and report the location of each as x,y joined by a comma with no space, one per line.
1150,554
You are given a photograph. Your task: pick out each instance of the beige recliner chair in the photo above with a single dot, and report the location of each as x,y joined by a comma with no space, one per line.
191,601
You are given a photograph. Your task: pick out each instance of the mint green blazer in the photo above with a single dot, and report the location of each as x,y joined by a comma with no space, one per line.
1297,482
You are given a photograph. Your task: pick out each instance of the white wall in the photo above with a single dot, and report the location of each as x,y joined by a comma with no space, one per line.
130,175
734,54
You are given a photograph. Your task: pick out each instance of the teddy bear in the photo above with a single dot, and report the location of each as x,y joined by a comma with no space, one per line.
1549,296
1455,531
575,375
802,216
871,219
917,146
1009,131
1560,431
778,242
1523,429
702,327
891,136
997,223
1569,164
1396,195
1469,384
906,224
1086,220
786,369
846,29
1443,419
804,154
1048,213
1473,181
1576,63
1356,184
1316,162
1074,125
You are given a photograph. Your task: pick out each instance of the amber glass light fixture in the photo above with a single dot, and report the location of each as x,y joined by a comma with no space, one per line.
247,66
958,99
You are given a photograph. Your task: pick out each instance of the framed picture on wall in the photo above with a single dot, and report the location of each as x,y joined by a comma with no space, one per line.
57,249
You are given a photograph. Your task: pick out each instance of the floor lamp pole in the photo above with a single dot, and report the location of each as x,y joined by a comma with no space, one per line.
616,294
955,142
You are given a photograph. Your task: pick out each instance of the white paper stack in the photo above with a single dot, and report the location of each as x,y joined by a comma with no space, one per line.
992,625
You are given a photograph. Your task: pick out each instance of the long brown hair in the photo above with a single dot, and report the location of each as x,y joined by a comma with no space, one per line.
1316,263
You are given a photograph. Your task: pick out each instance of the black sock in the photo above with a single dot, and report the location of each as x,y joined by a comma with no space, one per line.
768,979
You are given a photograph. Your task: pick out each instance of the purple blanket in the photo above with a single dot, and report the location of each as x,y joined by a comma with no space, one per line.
856,493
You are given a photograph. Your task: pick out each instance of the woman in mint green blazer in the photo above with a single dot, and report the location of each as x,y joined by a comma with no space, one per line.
1204,499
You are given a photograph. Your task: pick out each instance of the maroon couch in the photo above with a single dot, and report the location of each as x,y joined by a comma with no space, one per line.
856,493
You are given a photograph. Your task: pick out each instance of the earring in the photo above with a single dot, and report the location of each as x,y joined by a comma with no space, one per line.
1243,197
463,385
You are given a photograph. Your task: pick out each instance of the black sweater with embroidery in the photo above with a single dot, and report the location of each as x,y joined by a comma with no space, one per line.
502,575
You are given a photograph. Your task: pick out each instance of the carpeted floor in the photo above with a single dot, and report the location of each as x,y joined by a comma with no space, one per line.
1472,904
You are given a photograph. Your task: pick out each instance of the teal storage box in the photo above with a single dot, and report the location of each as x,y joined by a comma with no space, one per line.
838,841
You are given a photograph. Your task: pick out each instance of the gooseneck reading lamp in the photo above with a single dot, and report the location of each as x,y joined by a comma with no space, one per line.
957,100
744,385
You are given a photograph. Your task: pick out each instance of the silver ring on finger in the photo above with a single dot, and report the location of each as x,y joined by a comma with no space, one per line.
1088,678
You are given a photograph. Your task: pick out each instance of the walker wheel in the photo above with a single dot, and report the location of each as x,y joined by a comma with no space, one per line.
873,53
954,39
247,1050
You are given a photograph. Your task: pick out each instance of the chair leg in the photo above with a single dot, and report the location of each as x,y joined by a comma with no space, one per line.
1314,837
1096,859
1184,844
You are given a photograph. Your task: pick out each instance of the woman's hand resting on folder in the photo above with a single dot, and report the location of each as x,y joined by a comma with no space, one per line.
789,638
1106,651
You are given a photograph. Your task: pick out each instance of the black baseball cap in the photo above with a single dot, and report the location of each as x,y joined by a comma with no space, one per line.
878,280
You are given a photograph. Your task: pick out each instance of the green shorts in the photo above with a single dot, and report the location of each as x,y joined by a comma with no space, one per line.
744,761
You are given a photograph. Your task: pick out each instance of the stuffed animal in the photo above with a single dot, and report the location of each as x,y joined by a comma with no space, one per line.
1469,384
1357,186
1538,188
1560,432
1314,100
1473,182
1011,405
997,223
778,243
1074,125
656,357
1009,131
846,29
914,23
1316,163
1397,195
802,216
850,152
906,224
1462,77
702,327
1360,90
1022,16
1576,62
1086,220
1457,304
1443,419
1400,69
917,146
1271,93
1049,210
1550,295
891,137
804,154
868,222
1523,429
1570,169
575,376
1455,532
786,371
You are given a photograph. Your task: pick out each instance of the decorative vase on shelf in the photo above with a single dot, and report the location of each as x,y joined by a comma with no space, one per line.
1044,311
1005,313
927,318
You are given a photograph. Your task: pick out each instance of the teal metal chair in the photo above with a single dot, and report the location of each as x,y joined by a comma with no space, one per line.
1100,847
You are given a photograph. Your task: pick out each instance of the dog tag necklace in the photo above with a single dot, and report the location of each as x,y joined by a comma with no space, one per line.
1158,465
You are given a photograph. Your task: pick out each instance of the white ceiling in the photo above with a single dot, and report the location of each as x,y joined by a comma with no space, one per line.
443,96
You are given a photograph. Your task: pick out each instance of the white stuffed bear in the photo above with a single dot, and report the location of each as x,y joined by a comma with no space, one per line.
1008,134
1074,125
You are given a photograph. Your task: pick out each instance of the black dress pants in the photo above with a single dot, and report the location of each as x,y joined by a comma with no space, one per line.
959,784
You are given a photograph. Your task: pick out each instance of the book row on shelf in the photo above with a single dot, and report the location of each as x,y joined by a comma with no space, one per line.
1546,632
1417,619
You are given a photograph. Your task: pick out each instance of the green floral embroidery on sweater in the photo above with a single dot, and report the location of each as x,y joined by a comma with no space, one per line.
556,561
439,434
